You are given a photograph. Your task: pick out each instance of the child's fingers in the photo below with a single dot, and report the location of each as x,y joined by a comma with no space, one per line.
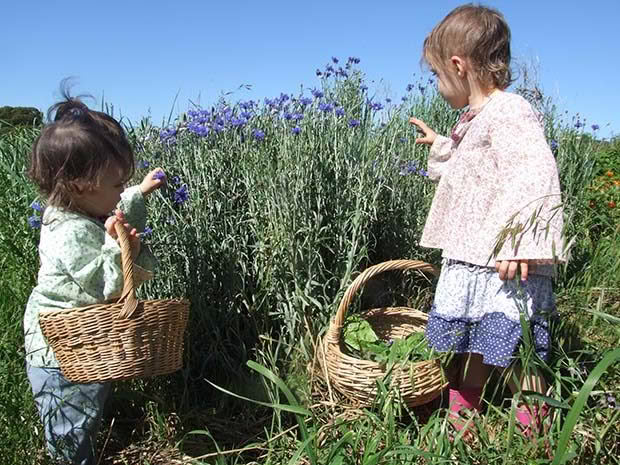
524,270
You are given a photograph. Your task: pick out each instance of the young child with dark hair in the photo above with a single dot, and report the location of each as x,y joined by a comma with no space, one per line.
495,169
80,163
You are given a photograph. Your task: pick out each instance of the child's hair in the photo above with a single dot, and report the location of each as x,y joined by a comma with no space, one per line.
78,145
478,33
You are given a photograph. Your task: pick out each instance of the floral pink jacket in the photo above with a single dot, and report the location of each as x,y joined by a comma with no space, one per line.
496,171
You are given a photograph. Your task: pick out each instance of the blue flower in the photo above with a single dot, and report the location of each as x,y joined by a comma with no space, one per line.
409,168
595,127
36,206
159,175
287,116
144,164
354,60
296,130
579,124
168,136
363,88
297,116
305,101
403,139
317,93
318,72
353,123
554,145
258,134
175,180
326,107
147,232
376,106
34,222
339,111
181,195
335,60
409,87
388,100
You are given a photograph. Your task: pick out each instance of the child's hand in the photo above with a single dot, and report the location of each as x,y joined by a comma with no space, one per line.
507,269
134,239
429,134
153,181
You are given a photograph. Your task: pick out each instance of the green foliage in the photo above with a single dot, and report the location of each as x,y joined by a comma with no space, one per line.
17,117
272,233
364,343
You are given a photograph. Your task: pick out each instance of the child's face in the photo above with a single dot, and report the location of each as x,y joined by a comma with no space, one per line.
102,199
452,87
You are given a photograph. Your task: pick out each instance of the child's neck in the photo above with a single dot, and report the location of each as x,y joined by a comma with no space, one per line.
479,96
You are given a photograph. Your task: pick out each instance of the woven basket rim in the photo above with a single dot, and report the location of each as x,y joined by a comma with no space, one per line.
111,303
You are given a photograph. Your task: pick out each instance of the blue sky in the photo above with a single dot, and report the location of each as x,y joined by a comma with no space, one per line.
141,54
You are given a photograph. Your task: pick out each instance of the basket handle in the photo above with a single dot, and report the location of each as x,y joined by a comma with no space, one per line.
129,291
335,327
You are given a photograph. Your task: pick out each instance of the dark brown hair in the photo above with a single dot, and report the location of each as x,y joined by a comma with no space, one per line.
478,33
79,145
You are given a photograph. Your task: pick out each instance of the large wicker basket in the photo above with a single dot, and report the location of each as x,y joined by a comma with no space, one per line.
122,340
417,382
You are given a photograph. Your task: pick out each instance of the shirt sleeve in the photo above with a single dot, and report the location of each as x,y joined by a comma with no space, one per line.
439,156
527,210
92,259
133,205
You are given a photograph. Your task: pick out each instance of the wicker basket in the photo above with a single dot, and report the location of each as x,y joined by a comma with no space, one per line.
417,382
115,341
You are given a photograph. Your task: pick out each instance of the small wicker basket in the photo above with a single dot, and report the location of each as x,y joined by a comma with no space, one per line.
417,382
117,341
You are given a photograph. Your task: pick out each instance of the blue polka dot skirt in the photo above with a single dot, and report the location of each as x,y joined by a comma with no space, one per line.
475,311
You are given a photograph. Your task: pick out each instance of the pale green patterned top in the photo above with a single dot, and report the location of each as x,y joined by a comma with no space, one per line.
80,265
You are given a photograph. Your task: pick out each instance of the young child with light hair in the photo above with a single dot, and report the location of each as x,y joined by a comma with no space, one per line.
494,171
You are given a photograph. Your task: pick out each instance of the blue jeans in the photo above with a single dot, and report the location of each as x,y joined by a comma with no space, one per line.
71,413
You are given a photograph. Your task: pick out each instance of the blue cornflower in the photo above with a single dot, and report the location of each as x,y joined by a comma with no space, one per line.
318,72
339,111
168,136
181,195
595,127
409,87
297,116
36,206
305,101
326,107
296,130
421,88
579,124
258,134
335,60
144,164
363,88
287,116
317,93
423,172
34,222
409,168
238,122
376,106
388,100
403,98
329,69
353,123
159,175
147,232
353,60
554,145
403,139
175,180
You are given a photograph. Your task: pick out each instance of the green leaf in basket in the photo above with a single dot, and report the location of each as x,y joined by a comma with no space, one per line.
358,333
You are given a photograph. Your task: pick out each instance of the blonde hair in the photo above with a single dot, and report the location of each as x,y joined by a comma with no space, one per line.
477,33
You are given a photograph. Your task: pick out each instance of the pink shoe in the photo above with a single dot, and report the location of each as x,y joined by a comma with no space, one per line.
463,399
530,418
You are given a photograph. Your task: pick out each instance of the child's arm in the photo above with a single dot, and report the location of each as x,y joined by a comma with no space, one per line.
441,149
527,203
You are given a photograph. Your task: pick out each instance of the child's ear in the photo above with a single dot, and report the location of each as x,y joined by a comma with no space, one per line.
77,187
460,65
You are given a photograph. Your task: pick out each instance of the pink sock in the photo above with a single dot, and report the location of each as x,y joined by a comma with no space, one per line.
463,399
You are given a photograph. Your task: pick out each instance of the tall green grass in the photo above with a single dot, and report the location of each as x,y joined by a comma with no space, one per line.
271,235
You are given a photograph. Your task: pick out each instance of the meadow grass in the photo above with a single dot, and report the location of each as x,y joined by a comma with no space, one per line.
263,227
